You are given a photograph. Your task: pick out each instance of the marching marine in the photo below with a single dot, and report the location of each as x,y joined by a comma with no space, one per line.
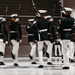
42,27
15,37
66,25
31,40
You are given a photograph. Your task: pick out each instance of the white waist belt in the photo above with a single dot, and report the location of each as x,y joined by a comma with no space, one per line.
12,31
30,34
43,30
67,29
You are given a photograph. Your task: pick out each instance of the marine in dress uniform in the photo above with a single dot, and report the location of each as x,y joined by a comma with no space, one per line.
31,40
3,39
50,38
58,35
66,25
42,26
15,37
72,45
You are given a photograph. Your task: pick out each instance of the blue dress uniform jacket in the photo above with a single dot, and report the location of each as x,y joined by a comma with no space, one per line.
42,27
30,30
15,31
3,31
66,27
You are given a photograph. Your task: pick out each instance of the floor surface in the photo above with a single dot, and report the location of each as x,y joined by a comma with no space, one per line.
26,68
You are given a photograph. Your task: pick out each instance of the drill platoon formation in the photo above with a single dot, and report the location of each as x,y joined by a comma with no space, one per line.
41,31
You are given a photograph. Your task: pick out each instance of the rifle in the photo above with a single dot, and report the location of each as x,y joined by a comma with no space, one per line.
3,27
6,11
19,9
61,7
52,35
17,26
37,14
35,8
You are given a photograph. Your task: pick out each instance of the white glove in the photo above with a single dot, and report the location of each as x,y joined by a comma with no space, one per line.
51,20
17,19
28,27
20,41
6,42
34,22
38,15
4,19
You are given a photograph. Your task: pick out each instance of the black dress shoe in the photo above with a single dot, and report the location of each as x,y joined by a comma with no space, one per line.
2,63
49,63
65,67
41,66
62,61
72,61
33,63
47,54
43,51
13,56
15,64
30,57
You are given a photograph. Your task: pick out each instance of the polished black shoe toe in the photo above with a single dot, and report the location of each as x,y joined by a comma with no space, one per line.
47,54
41,66
15,64
49,63
65,67
2,63
33,63
30,57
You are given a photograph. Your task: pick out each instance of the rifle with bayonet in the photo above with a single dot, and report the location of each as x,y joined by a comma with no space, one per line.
35,8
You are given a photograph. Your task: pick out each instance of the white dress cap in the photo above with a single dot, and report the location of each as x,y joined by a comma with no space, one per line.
14,15
31,20
48,16
68,9
42,11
